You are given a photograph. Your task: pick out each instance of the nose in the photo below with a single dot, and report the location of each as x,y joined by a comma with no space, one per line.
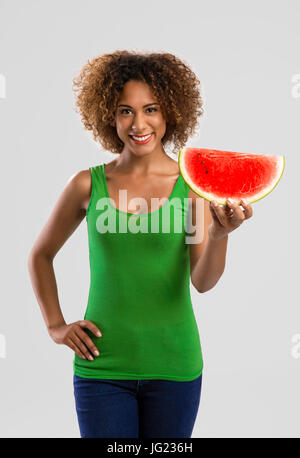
139,123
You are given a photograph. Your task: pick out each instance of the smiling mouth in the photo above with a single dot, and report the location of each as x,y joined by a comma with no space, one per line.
138,140
140,136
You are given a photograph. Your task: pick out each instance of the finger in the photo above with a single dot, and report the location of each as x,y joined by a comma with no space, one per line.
212,211
87,341
74,347
228,211
91,326
81,346
248,209
218,212
238,213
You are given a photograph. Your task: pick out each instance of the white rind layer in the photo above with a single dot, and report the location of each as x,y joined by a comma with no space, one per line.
280,165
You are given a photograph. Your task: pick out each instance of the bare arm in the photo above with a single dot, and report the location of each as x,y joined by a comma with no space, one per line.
208,256
66,216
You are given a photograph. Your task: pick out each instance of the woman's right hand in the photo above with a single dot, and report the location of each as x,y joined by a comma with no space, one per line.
74,336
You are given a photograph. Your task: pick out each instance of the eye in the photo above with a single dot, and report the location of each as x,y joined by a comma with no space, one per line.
124,109
128,109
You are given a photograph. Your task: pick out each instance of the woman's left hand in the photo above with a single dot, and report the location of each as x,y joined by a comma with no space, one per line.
228,217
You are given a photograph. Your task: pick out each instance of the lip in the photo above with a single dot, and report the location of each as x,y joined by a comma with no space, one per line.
130,135
144,142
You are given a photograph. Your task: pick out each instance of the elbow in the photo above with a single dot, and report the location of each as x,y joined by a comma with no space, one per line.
195,284
197,288
201,289
33,254
33,258
30,259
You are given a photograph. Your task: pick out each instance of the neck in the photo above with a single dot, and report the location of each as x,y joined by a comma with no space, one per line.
129,162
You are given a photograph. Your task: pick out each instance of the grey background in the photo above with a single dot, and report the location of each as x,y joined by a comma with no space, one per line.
245,55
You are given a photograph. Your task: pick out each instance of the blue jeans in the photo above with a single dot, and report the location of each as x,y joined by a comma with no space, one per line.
136,408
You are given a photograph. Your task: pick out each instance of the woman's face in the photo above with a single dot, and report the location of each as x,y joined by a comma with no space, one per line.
133,117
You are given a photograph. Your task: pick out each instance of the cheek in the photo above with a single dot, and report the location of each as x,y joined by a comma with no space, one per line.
163,126
160,123
122,124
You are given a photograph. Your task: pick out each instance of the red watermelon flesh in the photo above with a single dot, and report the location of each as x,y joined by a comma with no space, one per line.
218,175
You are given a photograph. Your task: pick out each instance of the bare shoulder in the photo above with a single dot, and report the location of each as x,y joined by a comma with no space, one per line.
81,179
67,214
203,206
201,215
81,183
195,197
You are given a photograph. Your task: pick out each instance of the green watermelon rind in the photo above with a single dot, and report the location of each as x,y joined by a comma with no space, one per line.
210,197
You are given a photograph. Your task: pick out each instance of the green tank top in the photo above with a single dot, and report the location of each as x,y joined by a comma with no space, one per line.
139,294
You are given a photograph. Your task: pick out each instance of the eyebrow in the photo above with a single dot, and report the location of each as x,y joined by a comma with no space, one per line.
148,104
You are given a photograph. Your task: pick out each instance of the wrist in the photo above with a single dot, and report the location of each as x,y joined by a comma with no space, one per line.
52,327
215,238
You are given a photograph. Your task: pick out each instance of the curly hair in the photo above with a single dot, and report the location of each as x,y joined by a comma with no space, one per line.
100,82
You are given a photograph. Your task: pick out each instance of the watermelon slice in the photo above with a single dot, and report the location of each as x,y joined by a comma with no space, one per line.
219,175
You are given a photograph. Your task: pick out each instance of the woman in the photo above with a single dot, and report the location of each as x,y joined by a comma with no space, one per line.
137,354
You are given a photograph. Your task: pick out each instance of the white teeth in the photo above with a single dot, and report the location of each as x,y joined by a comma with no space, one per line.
141,139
